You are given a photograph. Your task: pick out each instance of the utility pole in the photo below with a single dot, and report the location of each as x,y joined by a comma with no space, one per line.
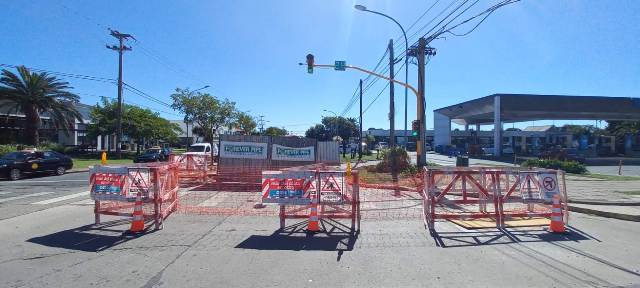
121,48
392,118
419,52
360,130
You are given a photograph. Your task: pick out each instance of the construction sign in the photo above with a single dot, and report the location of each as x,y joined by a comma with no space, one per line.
529,187
331,187
290,188
140,181
549,185
109,184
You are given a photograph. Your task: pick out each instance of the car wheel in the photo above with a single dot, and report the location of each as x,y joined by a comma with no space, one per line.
14,174
60,170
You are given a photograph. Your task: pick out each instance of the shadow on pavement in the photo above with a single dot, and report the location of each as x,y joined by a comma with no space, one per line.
503,236
334,236
89,238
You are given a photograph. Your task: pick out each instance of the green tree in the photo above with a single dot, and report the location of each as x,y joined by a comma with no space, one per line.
141,125
245,123
206,111
37,93
275,131
318,132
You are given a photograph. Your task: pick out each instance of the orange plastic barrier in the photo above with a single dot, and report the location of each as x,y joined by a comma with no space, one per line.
501,194
114,190
192,167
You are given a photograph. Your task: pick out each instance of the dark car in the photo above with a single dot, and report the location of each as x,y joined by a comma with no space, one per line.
153,155
15,164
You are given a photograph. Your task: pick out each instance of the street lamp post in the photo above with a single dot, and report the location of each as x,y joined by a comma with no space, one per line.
406,62
335,129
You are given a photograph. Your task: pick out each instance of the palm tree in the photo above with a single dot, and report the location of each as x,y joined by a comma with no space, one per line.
36,93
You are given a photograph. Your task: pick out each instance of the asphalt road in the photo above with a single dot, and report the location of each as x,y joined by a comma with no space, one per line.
41,192
58,247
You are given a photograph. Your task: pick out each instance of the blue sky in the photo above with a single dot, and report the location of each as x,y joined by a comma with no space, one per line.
248,51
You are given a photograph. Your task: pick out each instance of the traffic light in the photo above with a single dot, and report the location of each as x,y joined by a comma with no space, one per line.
415,127
310,63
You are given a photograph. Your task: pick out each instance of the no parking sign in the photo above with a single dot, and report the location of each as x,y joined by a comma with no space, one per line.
549,185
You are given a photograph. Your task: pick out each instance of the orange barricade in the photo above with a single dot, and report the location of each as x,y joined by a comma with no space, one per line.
192,167
313,195
114,190
498,194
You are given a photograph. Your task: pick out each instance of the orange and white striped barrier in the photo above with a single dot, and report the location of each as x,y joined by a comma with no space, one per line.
557,223
137,224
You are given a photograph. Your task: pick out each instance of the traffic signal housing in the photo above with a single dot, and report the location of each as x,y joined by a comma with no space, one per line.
310,63
415,127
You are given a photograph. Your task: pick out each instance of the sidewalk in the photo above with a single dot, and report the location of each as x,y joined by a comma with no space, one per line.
606,198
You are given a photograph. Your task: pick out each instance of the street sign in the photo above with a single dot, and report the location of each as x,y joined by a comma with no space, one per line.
340,65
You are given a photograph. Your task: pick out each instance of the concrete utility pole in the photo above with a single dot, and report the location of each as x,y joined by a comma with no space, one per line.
392,118
360,130
121,48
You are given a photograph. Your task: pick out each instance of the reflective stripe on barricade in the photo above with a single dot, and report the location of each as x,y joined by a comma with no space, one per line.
154,185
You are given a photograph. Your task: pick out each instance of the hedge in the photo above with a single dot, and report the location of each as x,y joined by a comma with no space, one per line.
567,166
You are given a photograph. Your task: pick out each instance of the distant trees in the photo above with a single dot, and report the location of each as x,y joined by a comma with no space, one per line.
139,124
275,131
37,93
331,127
205,110
245,123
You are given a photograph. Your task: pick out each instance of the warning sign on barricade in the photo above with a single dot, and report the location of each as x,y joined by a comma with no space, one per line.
549,185
288,187
332,184
140,181
109,184
529,187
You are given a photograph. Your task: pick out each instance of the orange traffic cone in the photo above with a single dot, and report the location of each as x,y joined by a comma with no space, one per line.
557,225
137,225
313,217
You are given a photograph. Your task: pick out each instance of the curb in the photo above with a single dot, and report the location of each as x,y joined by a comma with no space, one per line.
76,171
620,216
588,202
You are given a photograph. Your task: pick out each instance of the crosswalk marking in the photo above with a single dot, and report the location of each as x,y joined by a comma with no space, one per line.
24,196
61,198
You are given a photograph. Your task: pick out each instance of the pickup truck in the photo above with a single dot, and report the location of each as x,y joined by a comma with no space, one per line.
203,149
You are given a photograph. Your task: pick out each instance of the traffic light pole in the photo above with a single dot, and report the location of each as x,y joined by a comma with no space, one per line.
360,130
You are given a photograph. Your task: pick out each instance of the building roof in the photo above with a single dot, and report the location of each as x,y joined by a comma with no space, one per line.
543,128
530,107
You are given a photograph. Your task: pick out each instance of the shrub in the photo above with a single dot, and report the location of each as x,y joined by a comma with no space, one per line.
4,149
393,159
567,166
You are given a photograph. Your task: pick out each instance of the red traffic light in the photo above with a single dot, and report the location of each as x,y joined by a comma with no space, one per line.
310,63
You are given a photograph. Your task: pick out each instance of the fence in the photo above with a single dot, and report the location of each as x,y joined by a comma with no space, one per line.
191,167
114,190
315,195
498,194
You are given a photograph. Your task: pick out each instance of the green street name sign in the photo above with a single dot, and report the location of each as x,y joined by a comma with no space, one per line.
340,65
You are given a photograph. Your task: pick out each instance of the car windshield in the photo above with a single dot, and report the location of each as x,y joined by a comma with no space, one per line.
14,156
152,151
196,148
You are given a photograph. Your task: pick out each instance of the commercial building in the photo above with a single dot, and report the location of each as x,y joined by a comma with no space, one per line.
498,109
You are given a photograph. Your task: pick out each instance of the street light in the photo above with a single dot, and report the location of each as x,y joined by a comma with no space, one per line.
205,87
406,61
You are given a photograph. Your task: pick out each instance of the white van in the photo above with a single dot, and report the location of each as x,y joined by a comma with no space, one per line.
203,149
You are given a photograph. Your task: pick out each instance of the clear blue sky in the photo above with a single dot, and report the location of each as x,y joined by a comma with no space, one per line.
248,51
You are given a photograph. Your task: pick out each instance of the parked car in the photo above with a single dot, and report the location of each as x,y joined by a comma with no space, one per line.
411,146
427,147
382,145
16,164
155,154
203,149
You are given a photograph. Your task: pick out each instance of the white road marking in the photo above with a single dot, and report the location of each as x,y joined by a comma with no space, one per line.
84,202
61,198
24,196
5,193
49,181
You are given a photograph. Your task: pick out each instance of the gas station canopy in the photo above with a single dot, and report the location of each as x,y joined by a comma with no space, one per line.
530,107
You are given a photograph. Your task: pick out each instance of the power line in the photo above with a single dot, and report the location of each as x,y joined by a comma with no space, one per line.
70,75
